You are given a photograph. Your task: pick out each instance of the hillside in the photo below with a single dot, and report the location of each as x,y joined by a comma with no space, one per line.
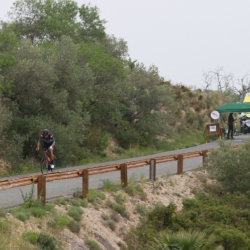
99,223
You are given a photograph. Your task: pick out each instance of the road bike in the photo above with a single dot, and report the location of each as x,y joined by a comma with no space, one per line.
45,164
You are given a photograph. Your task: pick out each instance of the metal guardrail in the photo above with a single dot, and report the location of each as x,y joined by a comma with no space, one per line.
41,180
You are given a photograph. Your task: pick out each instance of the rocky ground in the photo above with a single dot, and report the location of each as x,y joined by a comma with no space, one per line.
165,190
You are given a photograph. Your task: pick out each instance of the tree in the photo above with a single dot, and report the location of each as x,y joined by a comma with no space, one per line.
92,27
222,81
148,102
48,20
101,100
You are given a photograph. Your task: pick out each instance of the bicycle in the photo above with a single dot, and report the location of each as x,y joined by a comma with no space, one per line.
45,162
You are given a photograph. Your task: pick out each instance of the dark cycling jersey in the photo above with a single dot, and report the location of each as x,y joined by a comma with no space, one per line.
47,142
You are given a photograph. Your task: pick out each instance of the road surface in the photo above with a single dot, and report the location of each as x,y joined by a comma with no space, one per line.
63,188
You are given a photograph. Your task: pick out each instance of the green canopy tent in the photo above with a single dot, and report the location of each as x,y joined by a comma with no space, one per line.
232,107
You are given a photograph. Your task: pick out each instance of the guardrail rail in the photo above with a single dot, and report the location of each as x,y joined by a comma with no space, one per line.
41,179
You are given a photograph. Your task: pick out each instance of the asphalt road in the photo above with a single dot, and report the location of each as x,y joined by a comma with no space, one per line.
13,197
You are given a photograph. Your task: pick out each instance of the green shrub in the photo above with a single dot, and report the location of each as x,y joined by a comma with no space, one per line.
83,203
105,217
28,198
61,201
75,213
78,193
115,216
74,226
46,241
94,194
38,212
161,216
62,221
111,224
111,186
119,209
231,238
4,226
21,214
230,167
74,202
141,209
120,198
92,245
2,212
32,237
50,207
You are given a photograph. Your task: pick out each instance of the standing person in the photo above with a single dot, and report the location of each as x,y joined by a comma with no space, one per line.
230,123
49,143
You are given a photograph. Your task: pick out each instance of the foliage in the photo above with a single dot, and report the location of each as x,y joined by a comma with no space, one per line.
141,209
161,216
46,241
92,245
230,167
185,240
111,186
83,86
121,209
75,213
28,198
2,212
21,214
94,194
62,221
74,226
32,237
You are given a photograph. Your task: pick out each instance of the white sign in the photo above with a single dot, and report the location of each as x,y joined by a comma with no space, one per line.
215,115
212,128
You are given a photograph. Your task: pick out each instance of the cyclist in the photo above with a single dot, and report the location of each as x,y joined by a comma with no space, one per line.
49,143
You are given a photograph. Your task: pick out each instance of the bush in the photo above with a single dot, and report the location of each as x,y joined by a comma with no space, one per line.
4,226
74,227
141,209
38,212
74,202
92,245
111,186
75,213
95,194
111,224
21,214
230,167
62,221
83,203
119,209
46,241
61,201
161,216
2,212
32,237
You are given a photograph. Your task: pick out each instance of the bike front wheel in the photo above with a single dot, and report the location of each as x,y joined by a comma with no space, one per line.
43,165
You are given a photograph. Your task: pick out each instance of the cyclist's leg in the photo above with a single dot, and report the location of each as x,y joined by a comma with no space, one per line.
52,157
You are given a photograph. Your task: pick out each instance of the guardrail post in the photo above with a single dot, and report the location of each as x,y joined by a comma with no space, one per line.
124,174
85,182
41,188
204,156
152,169
180,164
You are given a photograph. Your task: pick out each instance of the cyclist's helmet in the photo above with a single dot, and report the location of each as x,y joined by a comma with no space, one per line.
45,132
